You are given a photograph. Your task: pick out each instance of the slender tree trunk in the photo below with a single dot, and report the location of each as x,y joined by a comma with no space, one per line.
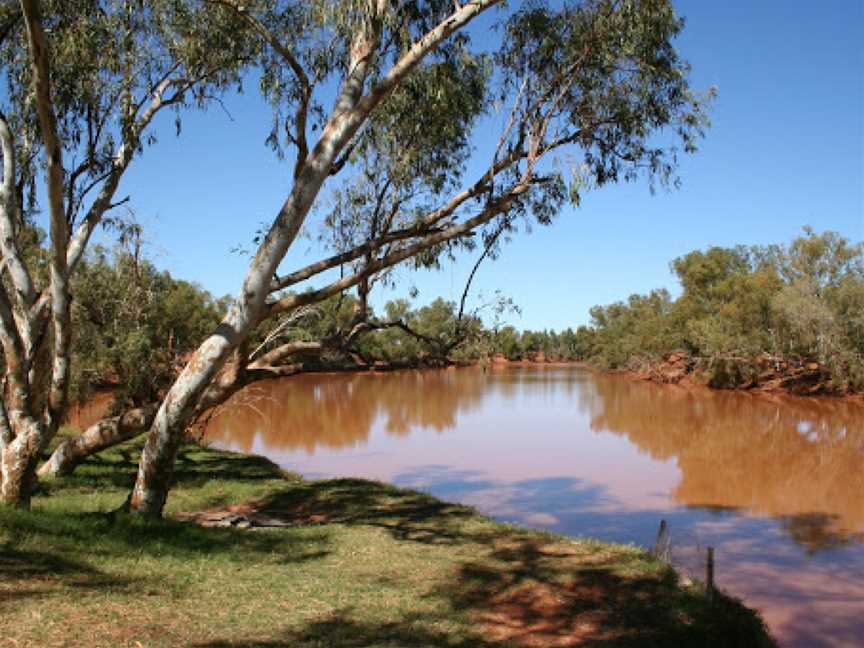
156,468
157,459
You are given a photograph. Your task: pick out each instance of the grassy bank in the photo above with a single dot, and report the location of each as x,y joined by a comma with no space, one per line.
363,564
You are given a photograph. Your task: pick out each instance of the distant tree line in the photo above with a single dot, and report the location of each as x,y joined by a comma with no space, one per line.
802,301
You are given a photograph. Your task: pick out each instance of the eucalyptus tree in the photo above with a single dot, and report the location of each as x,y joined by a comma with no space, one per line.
84,81
590,84
599,85
367,49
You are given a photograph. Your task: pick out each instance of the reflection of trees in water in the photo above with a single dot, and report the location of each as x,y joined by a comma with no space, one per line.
536,381
816,531
338,410
801,460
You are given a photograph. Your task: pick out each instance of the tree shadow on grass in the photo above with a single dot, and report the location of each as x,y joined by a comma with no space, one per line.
520,588
116,468
93,553
340,630
406,515
120,535
531,591
498,585
118,465
541,592
34,574
196,466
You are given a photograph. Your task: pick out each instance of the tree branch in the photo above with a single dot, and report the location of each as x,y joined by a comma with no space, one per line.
458,19
493,208
59,287
287,55
120,163
489,245
18,272
424,227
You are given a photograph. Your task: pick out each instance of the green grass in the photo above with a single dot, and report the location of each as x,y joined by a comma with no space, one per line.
366,565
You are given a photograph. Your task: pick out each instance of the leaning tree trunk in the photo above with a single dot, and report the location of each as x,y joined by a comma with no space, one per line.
351,109
98,437
156,467
112,431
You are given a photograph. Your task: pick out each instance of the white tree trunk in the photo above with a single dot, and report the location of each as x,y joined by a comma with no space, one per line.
157,459
18,467
350,111
98,437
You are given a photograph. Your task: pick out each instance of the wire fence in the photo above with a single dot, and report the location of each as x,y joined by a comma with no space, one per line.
687,552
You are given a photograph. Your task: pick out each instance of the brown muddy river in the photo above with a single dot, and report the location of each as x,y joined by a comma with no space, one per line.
776,485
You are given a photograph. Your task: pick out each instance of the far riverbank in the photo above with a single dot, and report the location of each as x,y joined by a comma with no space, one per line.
763,374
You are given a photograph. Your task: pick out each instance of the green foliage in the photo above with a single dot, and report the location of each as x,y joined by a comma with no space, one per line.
802,300
636,325
507,342
133,325
413,151
597,83
319,34
400,334
624,80
566,346
107,59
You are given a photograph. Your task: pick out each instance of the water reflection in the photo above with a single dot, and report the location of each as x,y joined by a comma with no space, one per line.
796,459
338,411
774,483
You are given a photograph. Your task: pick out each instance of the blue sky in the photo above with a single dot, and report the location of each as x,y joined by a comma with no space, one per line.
786,149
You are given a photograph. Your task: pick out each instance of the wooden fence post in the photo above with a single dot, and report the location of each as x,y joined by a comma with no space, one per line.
709,576
663,545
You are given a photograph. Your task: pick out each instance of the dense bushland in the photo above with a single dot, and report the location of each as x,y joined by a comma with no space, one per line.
134,324
744,308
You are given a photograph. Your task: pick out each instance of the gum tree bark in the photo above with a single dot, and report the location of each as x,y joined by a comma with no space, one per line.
98,437
352,108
